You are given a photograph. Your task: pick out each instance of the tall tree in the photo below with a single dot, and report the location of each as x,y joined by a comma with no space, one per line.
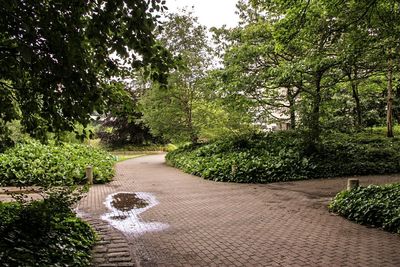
334,40
375,24
171,112
255,72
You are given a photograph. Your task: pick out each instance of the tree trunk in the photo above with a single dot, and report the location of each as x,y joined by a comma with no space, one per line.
314,125
292,110
356,96
396,110
292,117
189,114
193,136
389,109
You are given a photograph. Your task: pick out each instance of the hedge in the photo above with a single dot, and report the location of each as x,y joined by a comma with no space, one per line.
281,156
44,165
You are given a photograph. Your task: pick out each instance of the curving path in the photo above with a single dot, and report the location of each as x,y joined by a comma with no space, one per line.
225,224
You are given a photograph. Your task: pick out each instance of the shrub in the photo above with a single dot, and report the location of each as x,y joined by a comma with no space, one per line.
44,233
377,206
143,148
43,165
247,159
357,154
280,156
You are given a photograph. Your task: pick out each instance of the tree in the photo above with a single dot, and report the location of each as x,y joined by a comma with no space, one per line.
171,112
335,42
122,125
310,56
56,59
255,72
372,27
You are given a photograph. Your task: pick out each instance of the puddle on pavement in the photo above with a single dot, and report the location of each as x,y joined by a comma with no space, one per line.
127,201
125,208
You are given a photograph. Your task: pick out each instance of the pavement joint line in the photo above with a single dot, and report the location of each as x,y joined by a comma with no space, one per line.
227,224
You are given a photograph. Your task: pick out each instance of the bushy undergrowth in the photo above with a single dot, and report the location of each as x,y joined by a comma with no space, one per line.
377,206
44,233
144,148
38,164
281,156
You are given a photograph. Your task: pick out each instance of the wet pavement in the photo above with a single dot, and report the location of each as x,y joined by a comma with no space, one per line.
155,215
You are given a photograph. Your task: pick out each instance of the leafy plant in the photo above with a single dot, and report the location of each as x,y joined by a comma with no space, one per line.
43,165
282,156
70,79
44,232
373,205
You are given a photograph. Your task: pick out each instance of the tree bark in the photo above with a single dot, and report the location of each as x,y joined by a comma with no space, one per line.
354,89
356,96
315,127
292,110
389,109
396,109
314,124
189,109
358,112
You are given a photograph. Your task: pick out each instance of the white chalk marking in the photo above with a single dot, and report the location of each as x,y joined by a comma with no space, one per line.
129,221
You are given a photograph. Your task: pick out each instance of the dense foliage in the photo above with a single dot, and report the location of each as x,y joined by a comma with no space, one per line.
282,156
373,205
56,61
37,164
191,109
44,233
312,64
122,126
145,148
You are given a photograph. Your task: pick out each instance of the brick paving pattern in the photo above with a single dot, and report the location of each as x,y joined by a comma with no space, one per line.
227,224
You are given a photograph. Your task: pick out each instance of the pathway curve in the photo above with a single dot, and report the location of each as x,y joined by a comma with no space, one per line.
226,224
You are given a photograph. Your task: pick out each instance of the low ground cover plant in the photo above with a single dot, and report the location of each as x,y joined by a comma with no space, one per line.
377,206
44,233
44,165
144,148
281,156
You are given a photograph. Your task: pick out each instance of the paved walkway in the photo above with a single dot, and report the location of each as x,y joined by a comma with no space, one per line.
226,224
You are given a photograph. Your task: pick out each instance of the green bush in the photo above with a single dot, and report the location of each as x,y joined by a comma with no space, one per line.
280,156
247,159
43,165
44,233
377,206
143,148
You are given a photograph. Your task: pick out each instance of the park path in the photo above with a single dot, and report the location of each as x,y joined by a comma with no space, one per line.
226,224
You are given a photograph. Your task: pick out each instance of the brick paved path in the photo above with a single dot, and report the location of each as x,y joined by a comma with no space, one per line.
225,224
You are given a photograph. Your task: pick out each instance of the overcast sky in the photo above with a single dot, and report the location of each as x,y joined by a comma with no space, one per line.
211,13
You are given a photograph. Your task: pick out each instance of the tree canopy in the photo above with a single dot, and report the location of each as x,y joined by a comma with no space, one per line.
57,57
172,113
323,64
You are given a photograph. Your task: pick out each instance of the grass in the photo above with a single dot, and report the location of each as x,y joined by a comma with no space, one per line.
125,155
121,157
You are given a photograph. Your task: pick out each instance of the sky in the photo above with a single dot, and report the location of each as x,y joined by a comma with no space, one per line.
211,13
